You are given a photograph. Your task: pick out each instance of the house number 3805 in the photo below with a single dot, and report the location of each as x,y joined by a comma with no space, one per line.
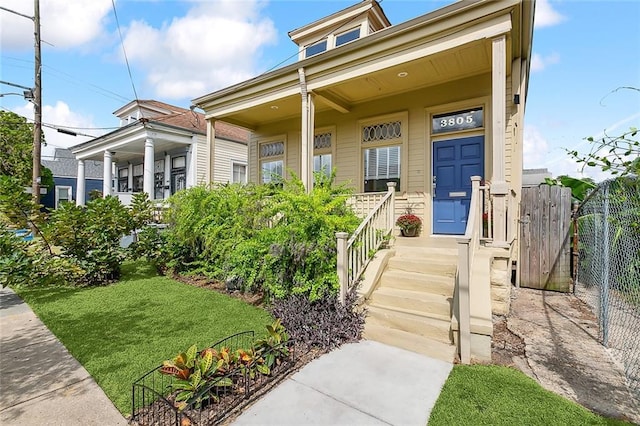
456,121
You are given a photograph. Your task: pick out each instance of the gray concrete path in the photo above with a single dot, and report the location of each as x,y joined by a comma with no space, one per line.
365,383
40,382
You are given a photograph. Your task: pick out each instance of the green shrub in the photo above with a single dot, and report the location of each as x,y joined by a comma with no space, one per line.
278,241
91,236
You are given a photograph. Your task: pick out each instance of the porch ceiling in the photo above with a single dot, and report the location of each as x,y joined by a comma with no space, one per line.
454,64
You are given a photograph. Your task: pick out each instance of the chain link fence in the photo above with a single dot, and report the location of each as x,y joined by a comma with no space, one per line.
608,271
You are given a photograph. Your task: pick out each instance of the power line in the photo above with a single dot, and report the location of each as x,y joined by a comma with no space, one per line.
115,13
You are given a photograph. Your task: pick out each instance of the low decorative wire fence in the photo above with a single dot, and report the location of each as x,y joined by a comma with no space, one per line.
154,394
608,272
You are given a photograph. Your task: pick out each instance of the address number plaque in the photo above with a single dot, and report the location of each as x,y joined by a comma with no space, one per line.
456,121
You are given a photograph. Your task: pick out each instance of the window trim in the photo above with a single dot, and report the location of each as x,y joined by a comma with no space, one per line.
316,43
402,142
277,138
57,194
332,149
357,29
246,170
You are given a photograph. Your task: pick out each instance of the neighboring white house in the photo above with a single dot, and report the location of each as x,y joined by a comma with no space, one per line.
161,149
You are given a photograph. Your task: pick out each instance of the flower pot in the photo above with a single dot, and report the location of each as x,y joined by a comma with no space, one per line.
410,232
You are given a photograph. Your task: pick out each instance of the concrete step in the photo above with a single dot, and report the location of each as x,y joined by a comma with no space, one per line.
418,281
411,342
425,265
420,302
437,328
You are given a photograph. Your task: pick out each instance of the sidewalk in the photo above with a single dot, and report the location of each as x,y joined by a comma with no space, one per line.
365,383
40,382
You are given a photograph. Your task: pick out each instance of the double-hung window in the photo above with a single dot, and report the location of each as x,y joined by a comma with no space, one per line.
271,161
322,152
123,179
138,178
382,144
239,172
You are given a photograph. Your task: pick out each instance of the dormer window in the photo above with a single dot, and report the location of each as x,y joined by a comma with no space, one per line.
316,48
347,36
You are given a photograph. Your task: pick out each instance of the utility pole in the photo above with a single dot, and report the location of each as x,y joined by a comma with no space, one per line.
37,106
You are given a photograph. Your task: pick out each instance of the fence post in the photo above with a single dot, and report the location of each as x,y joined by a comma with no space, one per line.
604,303
391,187
342,265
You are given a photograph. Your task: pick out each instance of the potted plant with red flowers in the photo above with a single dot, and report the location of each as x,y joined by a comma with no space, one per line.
409,224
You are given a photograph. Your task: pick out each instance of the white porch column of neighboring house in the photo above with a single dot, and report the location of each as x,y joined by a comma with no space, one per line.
167,175
191,163
107,175
499,186
80,184
211,142
147,174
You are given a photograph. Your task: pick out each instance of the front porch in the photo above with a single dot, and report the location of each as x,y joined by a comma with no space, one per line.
430,294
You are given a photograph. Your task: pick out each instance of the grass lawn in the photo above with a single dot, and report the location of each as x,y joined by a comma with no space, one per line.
493,395
120,331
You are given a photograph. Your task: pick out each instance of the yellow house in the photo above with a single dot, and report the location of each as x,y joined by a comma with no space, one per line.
407,114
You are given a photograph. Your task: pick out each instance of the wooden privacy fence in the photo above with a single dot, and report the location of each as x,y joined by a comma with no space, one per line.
545,238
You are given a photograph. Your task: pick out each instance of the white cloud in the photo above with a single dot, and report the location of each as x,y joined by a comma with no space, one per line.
535,147
214,45
546,15
59,115
539,62
64,24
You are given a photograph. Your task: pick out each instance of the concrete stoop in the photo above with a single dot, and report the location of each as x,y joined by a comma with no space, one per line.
411,305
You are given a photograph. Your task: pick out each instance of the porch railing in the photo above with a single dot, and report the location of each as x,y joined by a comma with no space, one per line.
468,244
355,252
363,204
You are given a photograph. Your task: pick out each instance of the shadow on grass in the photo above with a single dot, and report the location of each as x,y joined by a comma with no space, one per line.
139,270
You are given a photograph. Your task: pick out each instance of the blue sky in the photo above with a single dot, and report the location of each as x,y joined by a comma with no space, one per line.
179,50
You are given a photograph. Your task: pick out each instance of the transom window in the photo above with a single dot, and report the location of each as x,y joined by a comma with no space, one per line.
382,131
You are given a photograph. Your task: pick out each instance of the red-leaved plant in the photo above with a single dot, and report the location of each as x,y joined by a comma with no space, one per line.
408,222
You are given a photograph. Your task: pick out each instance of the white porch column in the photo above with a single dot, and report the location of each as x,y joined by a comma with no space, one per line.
306,133
311,138
167,176
80,184
499,187
107,175
147,176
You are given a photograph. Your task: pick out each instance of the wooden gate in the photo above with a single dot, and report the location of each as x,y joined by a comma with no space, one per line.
545,240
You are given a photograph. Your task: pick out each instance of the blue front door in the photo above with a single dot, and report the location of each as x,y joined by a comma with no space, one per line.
454,162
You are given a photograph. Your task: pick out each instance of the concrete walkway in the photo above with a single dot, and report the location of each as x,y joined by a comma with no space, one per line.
365,383
40,382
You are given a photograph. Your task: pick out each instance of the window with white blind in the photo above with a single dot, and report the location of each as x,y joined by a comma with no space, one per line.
382,144
381,165
138,178
63,195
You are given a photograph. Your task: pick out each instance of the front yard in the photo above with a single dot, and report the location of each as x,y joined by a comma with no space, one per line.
119,332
